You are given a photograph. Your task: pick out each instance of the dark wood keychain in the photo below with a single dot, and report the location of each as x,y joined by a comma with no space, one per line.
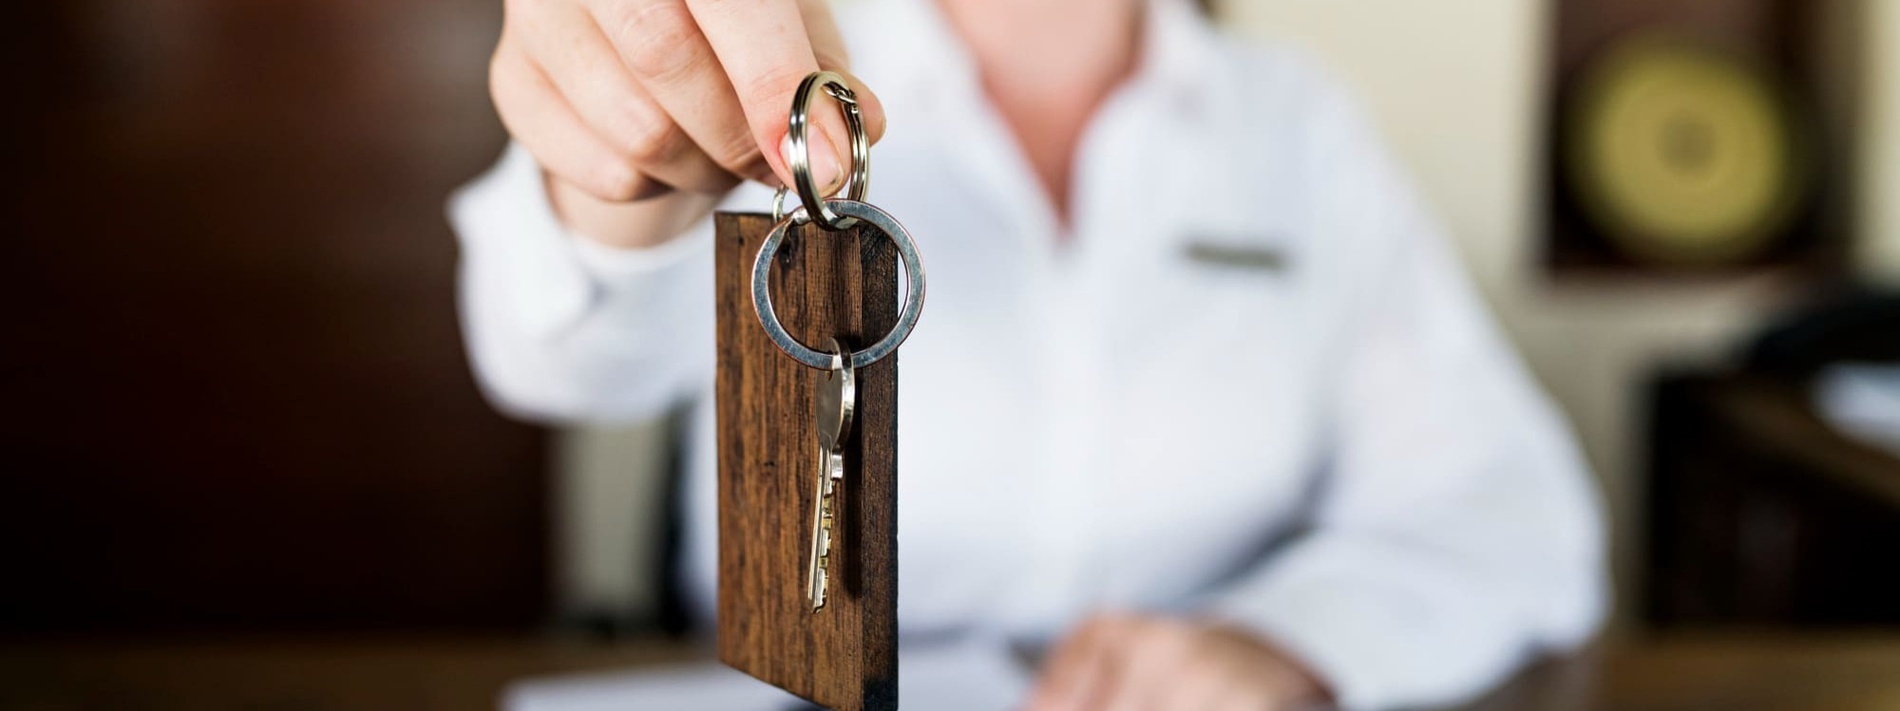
808,436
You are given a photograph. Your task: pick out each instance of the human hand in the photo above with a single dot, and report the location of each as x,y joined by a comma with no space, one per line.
1144,663
628,100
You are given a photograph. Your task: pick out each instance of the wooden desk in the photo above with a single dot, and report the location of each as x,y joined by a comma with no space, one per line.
1688,673
1680,674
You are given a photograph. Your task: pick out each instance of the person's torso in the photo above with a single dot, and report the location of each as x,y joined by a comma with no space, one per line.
1122,417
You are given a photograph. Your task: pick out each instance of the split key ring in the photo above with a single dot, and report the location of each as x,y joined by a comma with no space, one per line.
833,214
906,319
798,155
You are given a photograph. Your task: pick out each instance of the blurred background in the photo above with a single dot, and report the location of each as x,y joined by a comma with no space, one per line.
234,401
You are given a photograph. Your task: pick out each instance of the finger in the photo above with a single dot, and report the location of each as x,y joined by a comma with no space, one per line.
1199,688
662,48
1069,673
1151,656
587,70
868,105
766,52
829,48
1243,688
537,116
827,44
1103,663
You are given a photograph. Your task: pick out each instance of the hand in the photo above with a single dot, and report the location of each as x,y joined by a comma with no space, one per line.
630,100
1138,663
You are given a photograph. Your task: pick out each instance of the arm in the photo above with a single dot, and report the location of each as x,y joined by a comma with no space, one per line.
1456,533
559,327
631,119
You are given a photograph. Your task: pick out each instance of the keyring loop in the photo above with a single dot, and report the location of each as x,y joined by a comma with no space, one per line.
798,154
906,319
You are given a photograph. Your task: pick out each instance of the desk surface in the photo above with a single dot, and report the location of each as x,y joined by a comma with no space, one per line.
1677,674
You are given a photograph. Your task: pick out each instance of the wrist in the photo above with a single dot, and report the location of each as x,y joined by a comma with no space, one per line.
639,224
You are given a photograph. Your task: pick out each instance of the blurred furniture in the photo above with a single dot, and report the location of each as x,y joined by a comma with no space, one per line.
1760,512
618,532
234,390
421,674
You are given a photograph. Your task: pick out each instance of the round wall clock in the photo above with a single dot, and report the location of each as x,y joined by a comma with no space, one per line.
1682,154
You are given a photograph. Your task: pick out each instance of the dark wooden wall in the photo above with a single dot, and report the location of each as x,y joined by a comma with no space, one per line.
232,388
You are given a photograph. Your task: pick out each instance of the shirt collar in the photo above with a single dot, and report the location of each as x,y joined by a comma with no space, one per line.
1179,48
914,48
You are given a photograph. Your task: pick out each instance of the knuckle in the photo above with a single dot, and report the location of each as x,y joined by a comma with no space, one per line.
654,142
1211,682
738,154
1115,620
617,183
503,67
507,89
658,40
524,17
498,85
831,59
1094,625
1180,639
1102,627
1170,630
773,87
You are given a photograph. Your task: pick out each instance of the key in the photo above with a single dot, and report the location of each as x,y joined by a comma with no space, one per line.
831,470
834,401
864,278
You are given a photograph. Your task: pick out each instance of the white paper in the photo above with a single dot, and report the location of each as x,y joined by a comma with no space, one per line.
1862,400
971,676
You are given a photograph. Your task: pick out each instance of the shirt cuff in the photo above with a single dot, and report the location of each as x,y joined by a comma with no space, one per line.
1381,632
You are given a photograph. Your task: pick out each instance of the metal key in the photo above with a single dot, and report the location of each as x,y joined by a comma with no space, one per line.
834,400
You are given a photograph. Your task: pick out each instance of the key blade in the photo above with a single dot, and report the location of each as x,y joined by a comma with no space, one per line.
815,564
818,591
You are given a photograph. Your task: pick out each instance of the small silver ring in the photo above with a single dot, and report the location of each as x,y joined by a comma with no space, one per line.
799,150
778,209
906,319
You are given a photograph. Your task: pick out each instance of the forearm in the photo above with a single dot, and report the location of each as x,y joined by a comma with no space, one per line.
560,327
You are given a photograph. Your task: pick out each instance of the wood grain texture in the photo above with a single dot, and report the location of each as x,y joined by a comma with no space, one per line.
823,284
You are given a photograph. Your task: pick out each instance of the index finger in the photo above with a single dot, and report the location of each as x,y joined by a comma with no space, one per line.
1078,666
766,51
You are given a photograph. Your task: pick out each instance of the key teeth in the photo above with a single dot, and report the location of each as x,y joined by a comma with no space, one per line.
819,603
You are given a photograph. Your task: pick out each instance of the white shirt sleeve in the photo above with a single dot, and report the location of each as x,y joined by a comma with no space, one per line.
561,328
1454,533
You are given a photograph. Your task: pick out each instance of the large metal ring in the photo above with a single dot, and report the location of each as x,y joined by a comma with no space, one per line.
906,319
799,151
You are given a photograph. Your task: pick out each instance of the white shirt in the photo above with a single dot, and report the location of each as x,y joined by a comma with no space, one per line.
1340,452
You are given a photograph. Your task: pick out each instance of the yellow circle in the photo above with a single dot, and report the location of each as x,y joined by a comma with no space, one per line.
1682,154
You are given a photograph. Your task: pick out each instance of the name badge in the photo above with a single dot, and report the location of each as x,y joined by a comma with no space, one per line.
1234,254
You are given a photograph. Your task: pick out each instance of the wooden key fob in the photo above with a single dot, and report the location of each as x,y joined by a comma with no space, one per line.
823,284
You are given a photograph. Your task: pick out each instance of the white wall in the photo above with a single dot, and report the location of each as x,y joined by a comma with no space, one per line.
1458,89
609,490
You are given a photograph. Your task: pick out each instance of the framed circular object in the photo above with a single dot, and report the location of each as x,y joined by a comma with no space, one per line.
1682,154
